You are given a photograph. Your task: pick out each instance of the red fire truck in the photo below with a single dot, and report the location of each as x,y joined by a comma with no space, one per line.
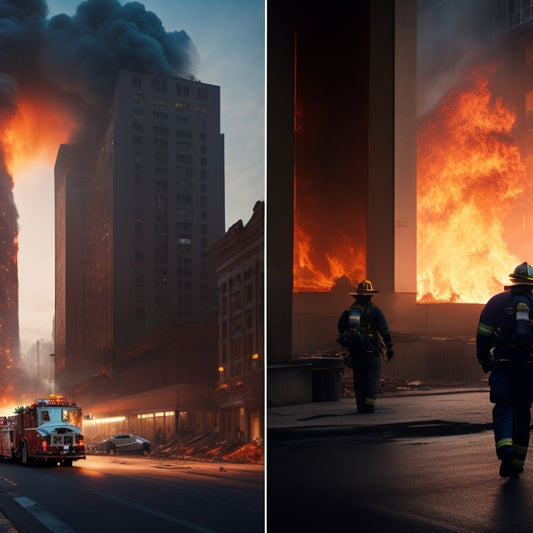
48,430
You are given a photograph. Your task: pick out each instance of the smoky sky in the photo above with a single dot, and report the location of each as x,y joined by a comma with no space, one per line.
69,63
75,59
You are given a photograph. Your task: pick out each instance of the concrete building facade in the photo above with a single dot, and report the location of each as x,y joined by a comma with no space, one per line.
133,267
239,257
73,170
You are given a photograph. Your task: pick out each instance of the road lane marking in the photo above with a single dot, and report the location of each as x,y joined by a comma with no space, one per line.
48,520
164,516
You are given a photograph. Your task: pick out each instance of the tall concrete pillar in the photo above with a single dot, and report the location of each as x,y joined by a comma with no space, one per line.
380,214
405,138
280,179
391,236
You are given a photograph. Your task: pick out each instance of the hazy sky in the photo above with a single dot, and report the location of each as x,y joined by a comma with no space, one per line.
229,37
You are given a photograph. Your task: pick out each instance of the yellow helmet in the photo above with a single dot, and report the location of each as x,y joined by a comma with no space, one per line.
522,275
363,288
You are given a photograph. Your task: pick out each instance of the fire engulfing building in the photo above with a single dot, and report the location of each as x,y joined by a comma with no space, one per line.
135,283
372,175
239,258
9,301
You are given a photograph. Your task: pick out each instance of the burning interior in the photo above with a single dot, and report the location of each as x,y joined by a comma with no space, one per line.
466,216
473,180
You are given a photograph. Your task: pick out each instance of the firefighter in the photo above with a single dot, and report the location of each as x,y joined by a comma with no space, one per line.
504,348
364,332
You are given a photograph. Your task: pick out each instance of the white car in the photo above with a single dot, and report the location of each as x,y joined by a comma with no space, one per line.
127,443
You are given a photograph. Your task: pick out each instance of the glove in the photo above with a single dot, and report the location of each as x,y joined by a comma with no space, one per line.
390,354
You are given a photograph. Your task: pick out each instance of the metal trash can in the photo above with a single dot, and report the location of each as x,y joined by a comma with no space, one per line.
326,378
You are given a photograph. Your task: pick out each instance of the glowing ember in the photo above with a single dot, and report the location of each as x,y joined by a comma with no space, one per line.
469,171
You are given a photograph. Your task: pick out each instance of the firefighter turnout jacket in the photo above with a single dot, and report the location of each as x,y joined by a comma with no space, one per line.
504,330
372,325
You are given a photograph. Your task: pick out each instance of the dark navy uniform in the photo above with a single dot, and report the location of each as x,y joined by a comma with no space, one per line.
502,351
369,325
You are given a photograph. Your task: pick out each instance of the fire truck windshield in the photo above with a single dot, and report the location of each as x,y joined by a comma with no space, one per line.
56,415
71,415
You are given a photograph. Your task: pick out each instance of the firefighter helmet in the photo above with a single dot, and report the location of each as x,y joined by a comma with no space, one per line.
364,288
522,275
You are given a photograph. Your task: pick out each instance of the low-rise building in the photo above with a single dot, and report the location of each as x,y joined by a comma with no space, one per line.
239,259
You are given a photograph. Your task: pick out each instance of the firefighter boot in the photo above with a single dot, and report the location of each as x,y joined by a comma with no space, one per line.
508,468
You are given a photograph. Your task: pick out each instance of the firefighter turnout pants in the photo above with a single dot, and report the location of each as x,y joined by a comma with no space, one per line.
511,392
366,369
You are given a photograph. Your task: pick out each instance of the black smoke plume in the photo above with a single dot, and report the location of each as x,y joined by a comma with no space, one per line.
72,63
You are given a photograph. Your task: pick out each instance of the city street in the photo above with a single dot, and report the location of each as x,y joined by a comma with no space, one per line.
423,461
438,484
134,494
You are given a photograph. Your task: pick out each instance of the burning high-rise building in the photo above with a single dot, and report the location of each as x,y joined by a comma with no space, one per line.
152,203
57,78
9,325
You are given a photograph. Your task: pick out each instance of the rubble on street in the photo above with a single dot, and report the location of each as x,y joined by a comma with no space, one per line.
207,447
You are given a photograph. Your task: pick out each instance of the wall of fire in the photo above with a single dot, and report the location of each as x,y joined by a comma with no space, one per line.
342,188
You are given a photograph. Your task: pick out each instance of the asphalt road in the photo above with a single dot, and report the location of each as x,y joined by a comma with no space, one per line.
133,494
437,484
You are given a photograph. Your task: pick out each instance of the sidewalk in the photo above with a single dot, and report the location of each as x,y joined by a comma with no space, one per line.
439,410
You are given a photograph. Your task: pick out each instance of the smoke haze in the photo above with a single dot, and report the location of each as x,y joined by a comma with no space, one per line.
452,36
75,60
67,64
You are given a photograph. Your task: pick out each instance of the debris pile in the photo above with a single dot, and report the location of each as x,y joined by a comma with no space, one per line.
208,447
249,453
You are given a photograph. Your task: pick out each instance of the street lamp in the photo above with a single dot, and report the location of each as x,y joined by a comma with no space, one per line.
52,373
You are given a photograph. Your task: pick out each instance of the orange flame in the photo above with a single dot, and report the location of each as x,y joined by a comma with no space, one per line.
7,404
33,134
318,272
469,171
